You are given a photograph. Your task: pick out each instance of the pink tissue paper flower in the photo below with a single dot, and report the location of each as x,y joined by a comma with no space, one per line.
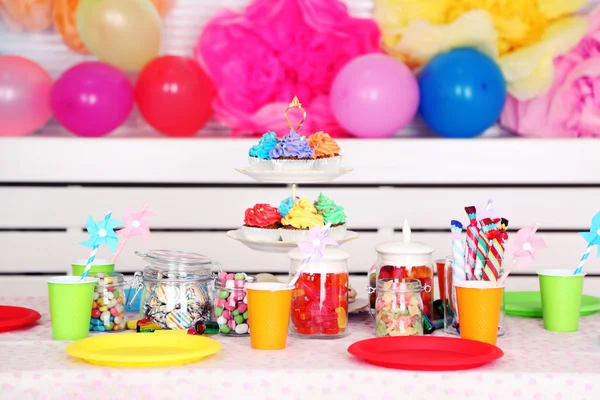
571,107
275,50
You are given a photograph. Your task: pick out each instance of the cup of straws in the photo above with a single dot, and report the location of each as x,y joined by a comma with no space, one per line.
474,300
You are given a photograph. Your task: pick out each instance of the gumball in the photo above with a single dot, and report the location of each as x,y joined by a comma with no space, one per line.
374,96
92,99
24,96
462,93
125,34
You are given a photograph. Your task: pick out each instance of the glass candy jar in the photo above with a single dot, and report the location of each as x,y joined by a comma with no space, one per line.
231,306
399,308
320,296
407,260
176,288
108,307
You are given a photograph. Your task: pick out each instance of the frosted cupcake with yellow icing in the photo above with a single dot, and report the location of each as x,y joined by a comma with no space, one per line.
299,219
332,214
327,151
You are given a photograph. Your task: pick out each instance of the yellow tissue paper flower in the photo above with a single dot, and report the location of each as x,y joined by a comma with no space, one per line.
524,35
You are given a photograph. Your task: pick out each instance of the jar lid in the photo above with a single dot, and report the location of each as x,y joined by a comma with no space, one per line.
405,246
176,265
330,254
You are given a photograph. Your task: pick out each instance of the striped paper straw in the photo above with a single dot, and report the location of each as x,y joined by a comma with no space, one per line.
483,247
471,248
584,257
92,257
492,261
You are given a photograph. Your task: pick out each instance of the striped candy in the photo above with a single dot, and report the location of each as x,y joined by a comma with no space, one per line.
471,248
483,246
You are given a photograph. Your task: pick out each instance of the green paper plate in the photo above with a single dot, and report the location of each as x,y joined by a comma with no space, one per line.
529,304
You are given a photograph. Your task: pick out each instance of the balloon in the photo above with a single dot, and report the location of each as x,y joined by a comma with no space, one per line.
374,96
92,98
462,93
125,34
63,17
26,15
24,96
164,7
174,96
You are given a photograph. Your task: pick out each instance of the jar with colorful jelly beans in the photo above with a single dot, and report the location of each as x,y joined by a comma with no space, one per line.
399,308
108,307
320,295
176,288
231,304
407,260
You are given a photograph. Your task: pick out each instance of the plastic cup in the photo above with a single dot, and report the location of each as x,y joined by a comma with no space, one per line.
561,293
269,306
98,265
479,304
70,304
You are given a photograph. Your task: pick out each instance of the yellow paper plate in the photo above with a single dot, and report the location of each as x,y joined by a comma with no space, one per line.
140,350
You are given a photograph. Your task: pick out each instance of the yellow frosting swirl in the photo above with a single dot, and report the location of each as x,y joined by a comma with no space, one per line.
302,215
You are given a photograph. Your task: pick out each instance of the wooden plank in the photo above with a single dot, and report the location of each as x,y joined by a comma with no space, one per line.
392,161
366,207
27,252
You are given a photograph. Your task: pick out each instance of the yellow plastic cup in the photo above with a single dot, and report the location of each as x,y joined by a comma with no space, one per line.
479,304
70,304
98,265
269,306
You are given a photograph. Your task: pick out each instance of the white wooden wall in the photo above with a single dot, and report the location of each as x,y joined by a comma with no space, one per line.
49,185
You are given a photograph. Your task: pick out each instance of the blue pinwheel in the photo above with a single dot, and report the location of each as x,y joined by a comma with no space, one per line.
593,239
102,232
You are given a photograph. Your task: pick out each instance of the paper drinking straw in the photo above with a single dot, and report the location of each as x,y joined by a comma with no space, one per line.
90,260
593,238
483,246
125,239
584,257
471,247
496,254
492,264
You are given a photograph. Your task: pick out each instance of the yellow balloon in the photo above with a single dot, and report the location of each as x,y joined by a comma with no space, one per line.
124,33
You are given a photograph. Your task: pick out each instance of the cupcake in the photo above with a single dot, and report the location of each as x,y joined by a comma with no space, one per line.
292,153
258,156
262,222
327,152
285,206
300,218
333,214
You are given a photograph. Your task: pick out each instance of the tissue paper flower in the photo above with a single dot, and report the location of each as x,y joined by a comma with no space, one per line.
525,35
30,15
278,49
572,105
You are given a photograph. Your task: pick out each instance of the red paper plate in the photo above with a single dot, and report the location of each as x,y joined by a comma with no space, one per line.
425,353
12,318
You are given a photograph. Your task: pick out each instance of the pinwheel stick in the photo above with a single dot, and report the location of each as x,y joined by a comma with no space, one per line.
125,239
92,257
514,261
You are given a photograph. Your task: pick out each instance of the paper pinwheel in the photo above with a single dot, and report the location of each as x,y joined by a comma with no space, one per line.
487,211
318,240
135,224
593,239
102,232
524,249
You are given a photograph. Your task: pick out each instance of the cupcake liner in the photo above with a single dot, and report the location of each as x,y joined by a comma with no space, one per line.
328,164
259,164
265,234
338,232
294,235
293,165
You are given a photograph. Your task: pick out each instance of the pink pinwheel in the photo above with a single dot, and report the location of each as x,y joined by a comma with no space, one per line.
524,249
135,224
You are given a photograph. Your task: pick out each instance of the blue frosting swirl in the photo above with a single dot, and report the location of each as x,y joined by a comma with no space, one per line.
267,142
285,206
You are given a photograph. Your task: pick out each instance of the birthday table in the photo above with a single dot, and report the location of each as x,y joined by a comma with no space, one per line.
537,364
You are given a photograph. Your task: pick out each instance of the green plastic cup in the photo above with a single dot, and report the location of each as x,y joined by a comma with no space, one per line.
70,304
99,265
561,292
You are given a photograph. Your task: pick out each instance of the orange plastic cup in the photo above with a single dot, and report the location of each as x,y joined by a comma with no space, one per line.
479,305
269,306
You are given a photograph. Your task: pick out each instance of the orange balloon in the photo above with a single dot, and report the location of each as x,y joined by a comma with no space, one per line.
63,16
30,15
164,7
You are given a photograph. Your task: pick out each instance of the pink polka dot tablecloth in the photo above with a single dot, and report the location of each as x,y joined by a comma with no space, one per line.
537,365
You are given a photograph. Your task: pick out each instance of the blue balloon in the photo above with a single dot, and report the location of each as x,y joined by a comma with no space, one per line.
462,93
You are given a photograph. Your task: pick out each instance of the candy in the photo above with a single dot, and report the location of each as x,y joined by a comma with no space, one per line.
230,305
106,307
178,319
398,310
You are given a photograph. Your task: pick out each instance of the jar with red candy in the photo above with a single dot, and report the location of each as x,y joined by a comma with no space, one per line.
320,295
406,259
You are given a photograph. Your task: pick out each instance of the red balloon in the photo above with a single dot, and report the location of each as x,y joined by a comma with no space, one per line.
174,96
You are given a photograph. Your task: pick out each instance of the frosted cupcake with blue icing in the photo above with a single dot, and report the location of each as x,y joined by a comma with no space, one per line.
259,155
292,153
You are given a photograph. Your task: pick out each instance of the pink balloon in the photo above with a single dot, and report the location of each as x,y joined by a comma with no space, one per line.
92,99
24,96
374,96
